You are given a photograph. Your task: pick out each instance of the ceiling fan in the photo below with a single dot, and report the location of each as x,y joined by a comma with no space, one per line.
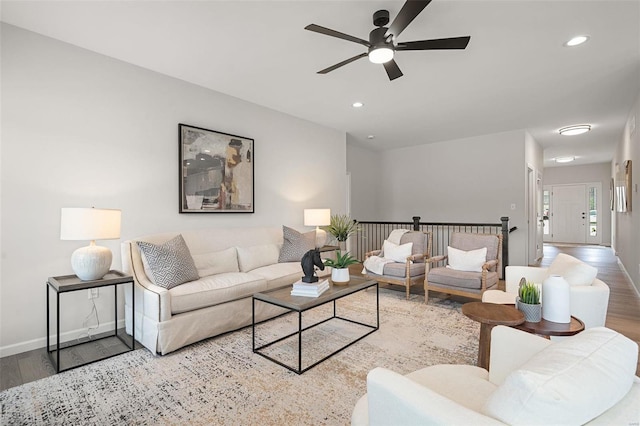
383,42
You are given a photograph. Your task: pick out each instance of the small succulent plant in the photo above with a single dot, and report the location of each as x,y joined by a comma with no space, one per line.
528,292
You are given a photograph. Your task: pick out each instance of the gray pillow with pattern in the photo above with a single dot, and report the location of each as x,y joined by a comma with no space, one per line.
296,244
171,263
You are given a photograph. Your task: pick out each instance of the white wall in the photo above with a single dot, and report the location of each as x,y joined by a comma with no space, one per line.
588,173
466,180
627,225
80,129
364,166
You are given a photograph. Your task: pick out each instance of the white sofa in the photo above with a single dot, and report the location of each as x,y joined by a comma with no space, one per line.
585,379
589,296
233,264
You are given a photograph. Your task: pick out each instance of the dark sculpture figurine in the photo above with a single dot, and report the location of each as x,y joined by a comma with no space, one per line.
309,260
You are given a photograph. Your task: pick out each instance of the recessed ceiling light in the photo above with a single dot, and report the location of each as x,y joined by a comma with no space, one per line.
575,130
577,40
357,104
370,137
564,159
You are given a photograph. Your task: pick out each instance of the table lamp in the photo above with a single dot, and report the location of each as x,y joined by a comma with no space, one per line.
318,218
91,262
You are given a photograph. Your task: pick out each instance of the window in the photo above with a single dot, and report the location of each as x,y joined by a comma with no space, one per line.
593,212
546,197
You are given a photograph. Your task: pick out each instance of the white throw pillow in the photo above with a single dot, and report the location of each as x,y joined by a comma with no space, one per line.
470,261
216,262
250,258
573,270
569,382
395,252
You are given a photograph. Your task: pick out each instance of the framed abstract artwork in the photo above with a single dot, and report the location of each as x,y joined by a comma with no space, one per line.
216,171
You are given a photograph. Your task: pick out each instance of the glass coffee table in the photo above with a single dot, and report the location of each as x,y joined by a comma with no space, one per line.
283,298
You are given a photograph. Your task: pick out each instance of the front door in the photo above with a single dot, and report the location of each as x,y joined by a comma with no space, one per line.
569,215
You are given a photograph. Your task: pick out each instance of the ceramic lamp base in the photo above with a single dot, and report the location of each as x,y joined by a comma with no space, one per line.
91,262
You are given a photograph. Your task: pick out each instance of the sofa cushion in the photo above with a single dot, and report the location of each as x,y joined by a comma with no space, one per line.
216,262
395,252
400,269
280,274
296,244
462,279
465,384
569,382
470,261
573,270
250,258
213,290
171,263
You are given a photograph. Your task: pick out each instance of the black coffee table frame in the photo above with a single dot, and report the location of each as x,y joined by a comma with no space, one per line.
283,299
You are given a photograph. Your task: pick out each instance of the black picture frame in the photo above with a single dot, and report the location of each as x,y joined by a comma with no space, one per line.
216,171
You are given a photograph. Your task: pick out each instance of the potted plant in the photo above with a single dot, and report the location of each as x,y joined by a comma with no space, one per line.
528,301
341,227
340,265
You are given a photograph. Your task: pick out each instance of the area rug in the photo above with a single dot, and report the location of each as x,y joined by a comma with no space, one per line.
221,381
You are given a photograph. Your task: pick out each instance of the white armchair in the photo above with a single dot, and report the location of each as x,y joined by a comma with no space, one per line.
589,296
561,390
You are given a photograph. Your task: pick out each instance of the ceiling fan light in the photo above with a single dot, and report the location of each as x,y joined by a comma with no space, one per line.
380,55
575,130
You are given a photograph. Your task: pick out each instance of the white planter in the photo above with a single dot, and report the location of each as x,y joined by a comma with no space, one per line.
556,305
340,276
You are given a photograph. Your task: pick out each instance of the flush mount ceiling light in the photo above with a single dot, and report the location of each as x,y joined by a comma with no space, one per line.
357,105
371,137
564,159
577,40
575,130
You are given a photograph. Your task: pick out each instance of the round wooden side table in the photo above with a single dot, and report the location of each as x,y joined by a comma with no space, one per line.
490,315
550,328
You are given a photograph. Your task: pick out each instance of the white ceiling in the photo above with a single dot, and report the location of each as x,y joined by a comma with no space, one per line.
515,73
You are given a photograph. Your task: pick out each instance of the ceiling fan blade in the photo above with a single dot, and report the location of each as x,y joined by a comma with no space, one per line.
392,69
408,13
337,34
436,44
348,61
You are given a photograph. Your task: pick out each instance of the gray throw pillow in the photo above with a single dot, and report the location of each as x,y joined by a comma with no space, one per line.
296,244
171,263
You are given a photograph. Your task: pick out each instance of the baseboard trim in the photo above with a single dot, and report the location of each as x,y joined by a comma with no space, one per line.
67,336
635,287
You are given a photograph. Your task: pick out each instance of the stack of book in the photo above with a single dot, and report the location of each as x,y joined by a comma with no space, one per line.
309,289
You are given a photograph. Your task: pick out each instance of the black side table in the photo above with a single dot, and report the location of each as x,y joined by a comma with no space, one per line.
69,283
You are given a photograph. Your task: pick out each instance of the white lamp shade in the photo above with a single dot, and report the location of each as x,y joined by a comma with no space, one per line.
91,262
317,217
89,224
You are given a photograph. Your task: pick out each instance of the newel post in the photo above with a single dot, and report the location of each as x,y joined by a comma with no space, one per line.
416,223
505,243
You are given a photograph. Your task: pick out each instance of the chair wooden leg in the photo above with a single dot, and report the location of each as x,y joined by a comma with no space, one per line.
426,292
408,290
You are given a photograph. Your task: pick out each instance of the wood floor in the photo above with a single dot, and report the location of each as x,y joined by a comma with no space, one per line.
623,316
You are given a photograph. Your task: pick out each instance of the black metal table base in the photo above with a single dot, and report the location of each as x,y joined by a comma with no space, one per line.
54,351
299,369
